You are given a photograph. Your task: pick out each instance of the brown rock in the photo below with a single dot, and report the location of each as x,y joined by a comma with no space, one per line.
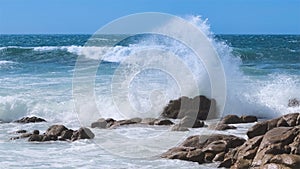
66,134
178,127
221,126
82,133
201,106
32,119
56,130
248,119
35,137
204,148
289,120
231,119
163,122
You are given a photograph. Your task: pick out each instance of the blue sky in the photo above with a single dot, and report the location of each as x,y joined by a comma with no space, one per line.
87,16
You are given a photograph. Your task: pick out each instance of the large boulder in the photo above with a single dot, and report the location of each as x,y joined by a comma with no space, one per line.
289,120
203,149
277,148
201,106
32,119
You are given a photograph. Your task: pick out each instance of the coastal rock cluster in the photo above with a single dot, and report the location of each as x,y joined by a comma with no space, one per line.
56,132
273,143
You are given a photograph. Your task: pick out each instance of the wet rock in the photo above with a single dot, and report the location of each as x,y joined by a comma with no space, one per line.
178,127
203,149
221,126
275,141
126,122
103,123
201,106
294,102
248,119
191,122
56,130
163,122
234,119
21,131
289,120
66,134
82,133
149,121
32,119
49,138
278,147
36,132
35,137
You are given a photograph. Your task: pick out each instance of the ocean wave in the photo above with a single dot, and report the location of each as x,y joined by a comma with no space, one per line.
5,62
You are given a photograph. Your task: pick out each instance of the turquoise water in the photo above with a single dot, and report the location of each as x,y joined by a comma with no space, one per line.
36,77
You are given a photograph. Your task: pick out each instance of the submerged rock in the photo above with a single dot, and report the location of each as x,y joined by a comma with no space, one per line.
294,102
32,119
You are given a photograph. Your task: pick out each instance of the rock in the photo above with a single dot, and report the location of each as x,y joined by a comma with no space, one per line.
278,147
178,127
163,122
36,132
32,119
66,134
231,119
219,157
185,153
234,119
201,106
49,138
103,123
203,149
149,121
288,160
126,122
23,135
190,122
243,155
56,130
21,131
248,119
82,133
221,126
35,137
289,120
275,141
294,102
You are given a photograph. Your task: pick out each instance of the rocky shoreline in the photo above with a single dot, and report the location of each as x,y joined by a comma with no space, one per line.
273,143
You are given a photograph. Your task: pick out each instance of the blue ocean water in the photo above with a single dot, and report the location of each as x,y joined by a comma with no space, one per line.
36,77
